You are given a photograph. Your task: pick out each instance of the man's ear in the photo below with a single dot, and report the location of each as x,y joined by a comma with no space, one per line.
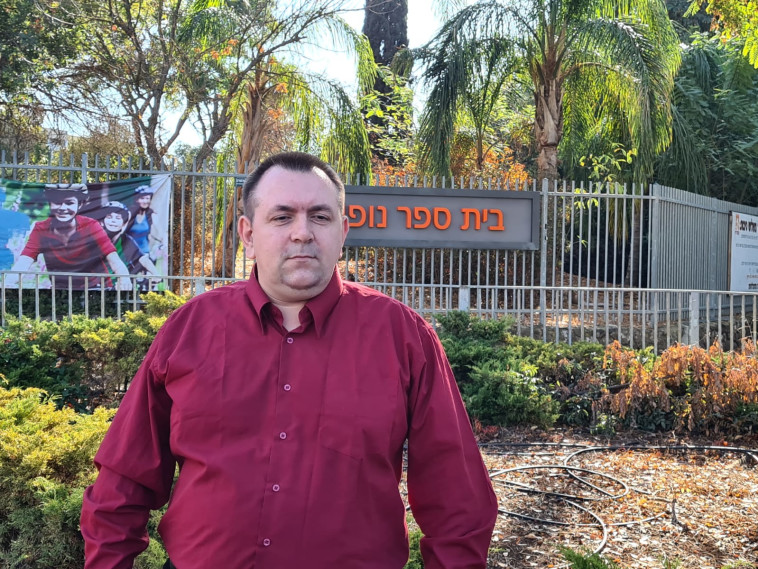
245,231
345,229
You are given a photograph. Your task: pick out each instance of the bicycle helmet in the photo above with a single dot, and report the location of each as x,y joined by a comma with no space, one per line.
116,207
59,191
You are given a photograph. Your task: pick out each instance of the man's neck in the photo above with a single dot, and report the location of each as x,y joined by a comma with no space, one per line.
290,314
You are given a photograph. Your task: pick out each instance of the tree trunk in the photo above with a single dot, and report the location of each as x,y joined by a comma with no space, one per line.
548,126
385,24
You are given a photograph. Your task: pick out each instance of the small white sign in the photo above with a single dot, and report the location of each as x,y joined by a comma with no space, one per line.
743,266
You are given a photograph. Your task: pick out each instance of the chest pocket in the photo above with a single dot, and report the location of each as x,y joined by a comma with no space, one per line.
359,412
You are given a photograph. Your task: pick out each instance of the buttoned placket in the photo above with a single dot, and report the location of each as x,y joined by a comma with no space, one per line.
283,414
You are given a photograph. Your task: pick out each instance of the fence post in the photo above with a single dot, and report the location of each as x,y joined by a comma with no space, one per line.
692,334
655,230
712,269
84,168
464,298
543,254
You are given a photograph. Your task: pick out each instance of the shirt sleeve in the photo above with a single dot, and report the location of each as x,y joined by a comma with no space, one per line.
449,489
136,471
32,245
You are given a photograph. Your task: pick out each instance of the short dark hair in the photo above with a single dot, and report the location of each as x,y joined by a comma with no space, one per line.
294,162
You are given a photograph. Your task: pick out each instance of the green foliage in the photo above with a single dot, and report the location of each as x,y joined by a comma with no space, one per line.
32,42
414,540
587,560
736,18
507,379
83,362
608,168
45,462
389,118
497,396
714,149
598,70
470,341
746,418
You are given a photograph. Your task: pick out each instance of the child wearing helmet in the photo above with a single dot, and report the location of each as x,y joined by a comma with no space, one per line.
71,243
115,220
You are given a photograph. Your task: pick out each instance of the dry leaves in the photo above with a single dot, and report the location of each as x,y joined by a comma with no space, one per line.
642,506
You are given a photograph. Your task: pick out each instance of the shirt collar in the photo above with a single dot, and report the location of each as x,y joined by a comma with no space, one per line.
320,306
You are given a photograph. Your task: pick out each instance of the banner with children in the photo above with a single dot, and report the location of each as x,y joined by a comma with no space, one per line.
111,228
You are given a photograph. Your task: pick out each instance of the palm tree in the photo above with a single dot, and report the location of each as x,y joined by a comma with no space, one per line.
322,114
470,76
627,52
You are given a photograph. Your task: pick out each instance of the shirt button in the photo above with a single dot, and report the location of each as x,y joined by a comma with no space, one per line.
282,435
287,387
275,487
290,340
267,542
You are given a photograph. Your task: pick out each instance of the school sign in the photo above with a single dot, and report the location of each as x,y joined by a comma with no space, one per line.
437,218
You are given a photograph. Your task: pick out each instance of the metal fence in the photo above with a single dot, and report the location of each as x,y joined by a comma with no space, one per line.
647,266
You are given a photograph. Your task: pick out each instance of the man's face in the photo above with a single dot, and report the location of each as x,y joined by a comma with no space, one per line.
64,209
296,235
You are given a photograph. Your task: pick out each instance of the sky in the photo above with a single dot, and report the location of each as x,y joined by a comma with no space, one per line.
422,23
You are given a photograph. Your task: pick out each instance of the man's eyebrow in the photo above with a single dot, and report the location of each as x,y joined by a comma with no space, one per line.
283,208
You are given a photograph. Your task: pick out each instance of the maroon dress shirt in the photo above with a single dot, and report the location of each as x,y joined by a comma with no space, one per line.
290,444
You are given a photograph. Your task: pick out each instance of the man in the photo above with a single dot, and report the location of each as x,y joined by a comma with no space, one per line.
286,400
71,243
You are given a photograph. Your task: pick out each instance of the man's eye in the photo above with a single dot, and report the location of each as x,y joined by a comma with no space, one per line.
321,218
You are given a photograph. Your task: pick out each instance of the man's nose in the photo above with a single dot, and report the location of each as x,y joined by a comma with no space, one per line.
301,229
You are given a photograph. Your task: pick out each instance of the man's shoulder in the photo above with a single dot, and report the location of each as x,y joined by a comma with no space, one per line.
209,307
217,297
366,296
43,225
82,222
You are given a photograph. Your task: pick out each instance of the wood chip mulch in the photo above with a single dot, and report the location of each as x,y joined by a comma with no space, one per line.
640,507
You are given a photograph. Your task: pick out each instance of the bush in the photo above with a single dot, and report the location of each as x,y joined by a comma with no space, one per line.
687,389
45,463
501,397
470,341
507,379
82,362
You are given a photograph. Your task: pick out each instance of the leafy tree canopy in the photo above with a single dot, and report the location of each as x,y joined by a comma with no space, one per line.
735,18
161,65
714,150
589,63
32,41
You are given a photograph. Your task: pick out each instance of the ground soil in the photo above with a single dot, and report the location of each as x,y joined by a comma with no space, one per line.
639,506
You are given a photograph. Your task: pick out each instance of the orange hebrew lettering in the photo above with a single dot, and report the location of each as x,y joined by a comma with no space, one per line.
499,226
407,212
352,213
417,211
440,211
383,210
467,212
